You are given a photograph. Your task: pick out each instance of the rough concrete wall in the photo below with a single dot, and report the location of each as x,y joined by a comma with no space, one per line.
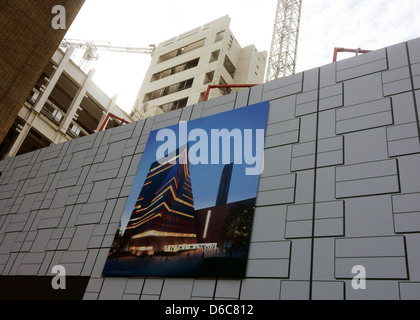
27,43
341,187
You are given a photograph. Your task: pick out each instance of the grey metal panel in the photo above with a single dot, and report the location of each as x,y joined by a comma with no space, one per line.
397,55
409,172
331,97
260,289
392,246
275,197
396,81
410,290
268,268
365,146
323,259
362,65
382,257
203,288
413,49
282,109
375,290
403,139
406,209
283,87
307,102
300,260
367,179
112,289
282,133
371,186
376,268
177,289
369,216
269,223
227,289
364,116
270,250
242,98
294,290
406,203
328,290
363,89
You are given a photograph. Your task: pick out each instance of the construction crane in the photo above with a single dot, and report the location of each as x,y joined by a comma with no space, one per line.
91,48
283,53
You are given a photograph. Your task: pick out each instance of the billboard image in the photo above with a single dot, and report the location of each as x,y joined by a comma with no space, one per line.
191,207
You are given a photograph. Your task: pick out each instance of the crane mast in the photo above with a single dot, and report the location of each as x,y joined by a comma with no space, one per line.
283,53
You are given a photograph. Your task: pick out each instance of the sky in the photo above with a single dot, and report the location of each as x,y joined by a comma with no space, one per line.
325,24
205,178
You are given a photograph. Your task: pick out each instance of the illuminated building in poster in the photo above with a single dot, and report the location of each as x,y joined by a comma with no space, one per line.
164,212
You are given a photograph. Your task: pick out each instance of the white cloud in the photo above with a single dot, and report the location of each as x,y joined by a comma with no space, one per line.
372,25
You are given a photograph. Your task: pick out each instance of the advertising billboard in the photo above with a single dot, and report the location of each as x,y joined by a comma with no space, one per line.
191,207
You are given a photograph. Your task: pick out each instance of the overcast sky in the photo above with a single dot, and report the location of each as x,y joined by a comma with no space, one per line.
325,24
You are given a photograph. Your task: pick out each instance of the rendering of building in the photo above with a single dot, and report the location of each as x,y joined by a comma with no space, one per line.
27,42
164,212
223,193
184,66
64,104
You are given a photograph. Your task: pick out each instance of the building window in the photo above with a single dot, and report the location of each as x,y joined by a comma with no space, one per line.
33,97
169,90
214,56
208,78
171,106
185,84
220,36
202,94
224,91
230,43
174,70
74,130
52,112
183,50
230,68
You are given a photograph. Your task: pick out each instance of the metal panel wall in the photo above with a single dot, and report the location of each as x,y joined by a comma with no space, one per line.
341,187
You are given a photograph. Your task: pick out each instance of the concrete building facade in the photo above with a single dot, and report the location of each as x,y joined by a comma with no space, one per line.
182,68
63,105
340,189
27,42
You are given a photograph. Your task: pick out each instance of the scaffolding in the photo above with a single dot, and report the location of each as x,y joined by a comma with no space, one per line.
356,51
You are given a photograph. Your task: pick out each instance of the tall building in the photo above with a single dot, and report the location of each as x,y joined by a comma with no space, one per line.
164,213
223,193
27,42
64,104
184,66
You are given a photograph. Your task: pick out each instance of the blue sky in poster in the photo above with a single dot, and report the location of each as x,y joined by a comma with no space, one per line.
205,178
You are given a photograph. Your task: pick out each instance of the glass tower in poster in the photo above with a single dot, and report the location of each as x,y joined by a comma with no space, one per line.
164,212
